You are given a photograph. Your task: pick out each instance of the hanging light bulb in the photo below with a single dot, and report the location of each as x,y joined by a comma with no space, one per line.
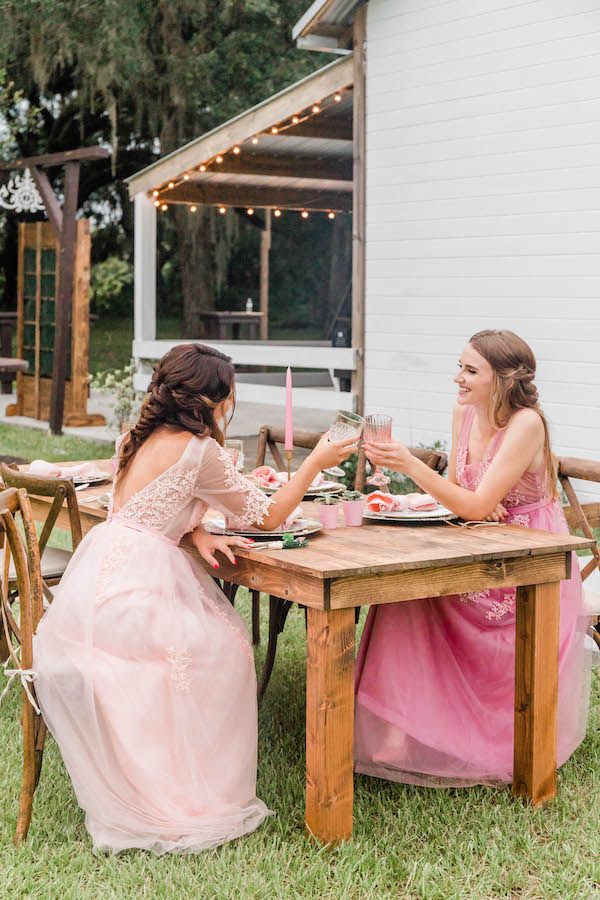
157,202
316,108
255,140
337,97
164,207
331,215
295,120
171,184
236,150
193,208
304,214
219,158
250,211
274,129
277,213
186,177
222,210
202,168
155,193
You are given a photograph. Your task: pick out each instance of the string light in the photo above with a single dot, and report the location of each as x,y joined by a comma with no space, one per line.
236,150
155,193
157,202
186,177
250,211
193,208
164,207
304,214
277,213
274,129
222,210
337,97
202,168
295,120
219,159
316,109
171,184
255,140
331,215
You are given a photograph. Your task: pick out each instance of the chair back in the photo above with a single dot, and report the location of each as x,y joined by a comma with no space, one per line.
60,489
20,545
582,516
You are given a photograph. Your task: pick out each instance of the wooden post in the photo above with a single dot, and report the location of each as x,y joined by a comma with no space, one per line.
359,126
64,296
330,724
145,269
265,246
536,692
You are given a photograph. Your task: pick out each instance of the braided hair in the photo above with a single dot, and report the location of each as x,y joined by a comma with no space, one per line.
187,385
513,364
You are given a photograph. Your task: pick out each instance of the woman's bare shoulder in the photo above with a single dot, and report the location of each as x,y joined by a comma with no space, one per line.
526,420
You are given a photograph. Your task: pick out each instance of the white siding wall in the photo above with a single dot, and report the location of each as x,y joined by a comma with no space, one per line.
483,203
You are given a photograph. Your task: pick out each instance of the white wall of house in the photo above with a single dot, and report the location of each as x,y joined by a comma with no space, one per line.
483,203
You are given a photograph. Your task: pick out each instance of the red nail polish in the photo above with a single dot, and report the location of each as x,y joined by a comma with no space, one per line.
216,566
235,562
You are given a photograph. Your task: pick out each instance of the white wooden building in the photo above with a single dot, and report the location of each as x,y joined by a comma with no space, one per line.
482,199
476,199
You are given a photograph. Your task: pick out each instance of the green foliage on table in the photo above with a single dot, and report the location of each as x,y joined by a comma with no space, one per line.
327,498
118,383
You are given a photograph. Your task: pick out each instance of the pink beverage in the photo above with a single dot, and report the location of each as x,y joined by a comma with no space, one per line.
378,429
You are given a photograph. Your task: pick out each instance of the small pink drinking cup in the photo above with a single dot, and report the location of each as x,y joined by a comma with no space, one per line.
353,512
328,515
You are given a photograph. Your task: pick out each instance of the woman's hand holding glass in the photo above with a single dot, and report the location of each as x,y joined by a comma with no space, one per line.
390,455
329,453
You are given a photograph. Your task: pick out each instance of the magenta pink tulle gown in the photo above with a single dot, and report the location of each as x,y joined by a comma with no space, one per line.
145,674
435,677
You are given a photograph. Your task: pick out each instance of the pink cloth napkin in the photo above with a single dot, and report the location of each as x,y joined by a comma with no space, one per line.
381,501
319,477
265,477
55,470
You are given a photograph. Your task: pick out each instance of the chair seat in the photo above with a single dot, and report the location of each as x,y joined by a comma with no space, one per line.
54,563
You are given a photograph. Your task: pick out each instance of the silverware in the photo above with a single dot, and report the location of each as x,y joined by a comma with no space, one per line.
82,487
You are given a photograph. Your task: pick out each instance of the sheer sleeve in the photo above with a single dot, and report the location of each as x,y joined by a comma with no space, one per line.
220,485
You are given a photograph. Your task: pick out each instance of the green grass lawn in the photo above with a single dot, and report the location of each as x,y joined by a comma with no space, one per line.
36,443
408,842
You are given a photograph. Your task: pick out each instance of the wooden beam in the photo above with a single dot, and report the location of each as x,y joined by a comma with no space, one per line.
359,203
334,77
259,197
332,128
275,182
51,204
265,246
83,154
339,169
64,296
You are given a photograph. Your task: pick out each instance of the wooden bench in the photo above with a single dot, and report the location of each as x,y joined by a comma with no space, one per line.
9,366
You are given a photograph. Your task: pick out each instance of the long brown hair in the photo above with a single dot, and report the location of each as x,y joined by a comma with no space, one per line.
187,384
513,364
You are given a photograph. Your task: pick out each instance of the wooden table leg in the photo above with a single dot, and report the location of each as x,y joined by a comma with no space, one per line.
536,692
330,724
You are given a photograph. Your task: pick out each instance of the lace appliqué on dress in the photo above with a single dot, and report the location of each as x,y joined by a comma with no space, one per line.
256,504
180,661
521,519
115,559
156,504
501,608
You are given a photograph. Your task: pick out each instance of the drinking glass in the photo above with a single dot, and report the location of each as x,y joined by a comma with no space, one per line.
235,448
378,428
345,425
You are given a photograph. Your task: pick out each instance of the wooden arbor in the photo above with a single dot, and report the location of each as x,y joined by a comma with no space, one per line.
63,225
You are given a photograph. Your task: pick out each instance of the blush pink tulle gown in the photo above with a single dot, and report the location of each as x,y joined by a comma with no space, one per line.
435,677
145,674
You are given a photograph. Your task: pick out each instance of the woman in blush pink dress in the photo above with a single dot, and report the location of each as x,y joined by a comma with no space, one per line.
144,671
435,683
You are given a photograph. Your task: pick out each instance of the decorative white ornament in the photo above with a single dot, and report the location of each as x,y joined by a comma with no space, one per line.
21,194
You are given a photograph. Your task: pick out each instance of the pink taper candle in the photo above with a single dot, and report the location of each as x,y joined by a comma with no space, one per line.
289,427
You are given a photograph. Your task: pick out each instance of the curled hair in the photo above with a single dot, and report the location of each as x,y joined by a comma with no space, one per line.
513,388
187,385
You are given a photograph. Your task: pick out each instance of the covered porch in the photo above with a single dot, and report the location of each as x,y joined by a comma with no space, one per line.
300,151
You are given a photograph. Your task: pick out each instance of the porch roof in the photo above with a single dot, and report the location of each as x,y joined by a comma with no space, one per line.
292,151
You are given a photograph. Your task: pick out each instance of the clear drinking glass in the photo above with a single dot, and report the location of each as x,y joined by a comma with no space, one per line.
235,448
378,428
345,425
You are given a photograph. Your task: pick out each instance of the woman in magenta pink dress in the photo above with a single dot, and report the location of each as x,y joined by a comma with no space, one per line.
435,682
144,671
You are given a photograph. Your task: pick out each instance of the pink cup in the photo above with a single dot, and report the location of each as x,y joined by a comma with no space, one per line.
353,512
328,515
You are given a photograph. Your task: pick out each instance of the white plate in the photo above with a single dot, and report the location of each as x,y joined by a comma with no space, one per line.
326,487
412,515
300,528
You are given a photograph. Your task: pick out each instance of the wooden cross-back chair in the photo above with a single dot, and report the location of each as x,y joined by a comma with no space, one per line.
278,609
584,517
54,560
21,546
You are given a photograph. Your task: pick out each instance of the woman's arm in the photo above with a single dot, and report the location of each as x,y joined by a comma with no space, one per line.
523,440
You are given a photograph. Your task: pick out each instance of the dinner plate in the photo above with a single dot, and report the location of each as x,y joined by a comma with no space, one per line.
93,479
440,514
300,528
326,487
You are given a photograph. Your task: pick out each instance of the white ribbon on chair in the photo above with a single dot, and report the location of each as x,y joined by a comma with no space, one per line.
26,676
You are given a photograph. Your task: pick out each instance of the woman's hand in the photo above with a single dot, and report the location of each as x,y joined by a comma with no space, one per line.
208,544
497,515
390,455
331,453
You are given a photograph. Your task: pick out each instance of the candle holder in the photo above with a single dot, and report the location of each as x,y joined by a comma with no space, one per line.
288,456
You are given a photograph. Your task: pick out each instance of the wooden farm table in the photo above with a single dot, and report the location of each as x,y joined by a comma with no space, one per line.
350,567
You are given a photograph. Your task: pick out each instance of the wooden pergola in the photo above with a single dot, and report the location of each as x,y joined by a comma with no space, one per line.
300,150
